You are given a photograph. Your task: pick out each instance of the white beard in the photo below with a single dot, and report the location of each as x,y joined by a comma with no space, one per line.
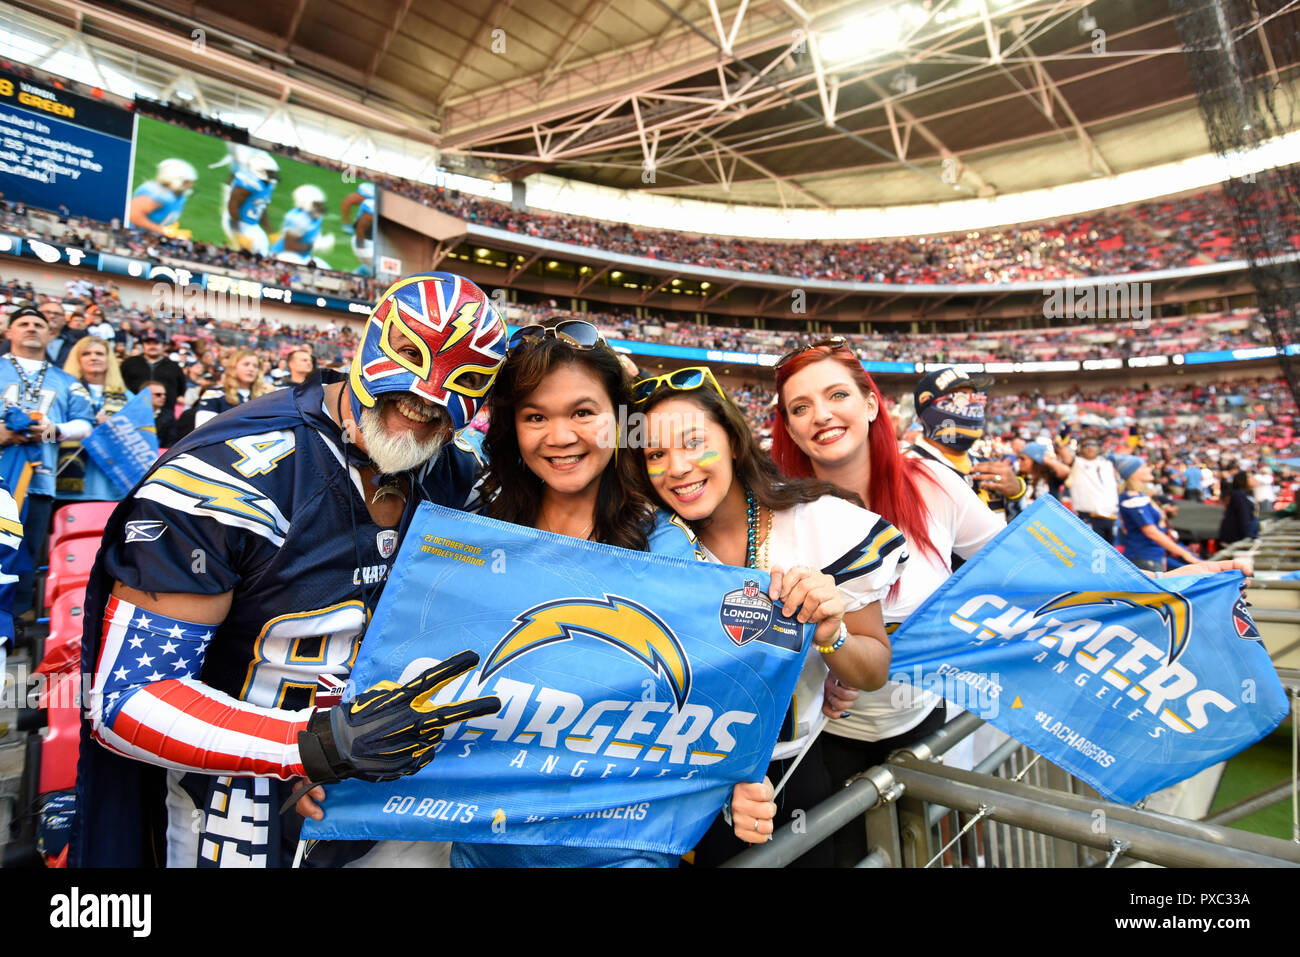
398,453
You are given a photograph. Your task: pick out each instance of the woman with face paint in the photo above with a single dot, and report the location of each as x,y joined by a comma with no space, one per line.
551,442
831,563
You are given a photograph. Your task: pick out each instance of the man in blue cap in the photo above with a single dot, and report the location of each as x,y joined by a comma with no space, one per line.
950,407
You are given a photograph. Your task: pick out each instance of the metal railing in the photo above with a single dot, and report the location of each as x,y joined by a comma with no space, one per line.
1017,810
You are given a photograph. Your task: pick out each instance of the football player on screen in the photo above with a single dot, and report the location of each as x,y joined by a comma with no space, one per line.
362,227
300,236
246,196
157,204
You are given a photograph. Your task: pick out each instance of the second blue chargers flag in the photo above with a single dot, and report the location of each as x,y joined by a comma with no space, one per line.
1128,682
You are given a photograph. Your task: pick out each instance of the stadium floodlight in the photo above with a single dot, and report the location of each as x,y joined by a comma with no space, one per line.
903,83
862,37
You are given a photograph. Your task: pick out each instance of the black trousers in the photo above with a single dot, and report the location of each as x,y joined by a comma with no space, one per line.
808,786
36,532
1105,527
846,757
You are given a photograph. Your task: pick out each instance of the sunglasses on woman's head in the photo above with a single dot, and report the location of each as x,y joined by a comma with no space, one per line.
683,380
835,342
576,332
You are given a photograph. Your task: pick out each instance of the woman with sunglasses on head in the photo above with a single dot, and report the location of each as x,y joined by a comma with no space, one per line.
831,563
833,424
551,444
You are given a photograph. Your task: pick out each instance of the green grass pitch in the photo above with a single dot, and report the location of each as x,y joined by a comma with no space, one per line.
156,141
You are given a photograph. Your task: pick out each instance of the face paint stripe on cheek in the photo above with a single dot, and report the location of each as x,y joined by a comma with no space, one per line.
654,471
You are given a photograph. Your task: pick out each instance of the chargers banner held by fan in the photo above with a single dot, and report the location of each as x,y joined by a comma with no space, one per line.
127,443
636,689
1130,683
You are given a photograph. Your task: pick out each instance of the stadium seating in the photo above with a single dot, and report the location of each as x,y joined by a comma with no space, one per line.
70,562
80,520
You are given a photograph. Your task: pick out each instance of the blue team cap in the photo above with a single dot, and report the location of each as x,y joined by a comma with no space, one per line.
1126,465
1036,451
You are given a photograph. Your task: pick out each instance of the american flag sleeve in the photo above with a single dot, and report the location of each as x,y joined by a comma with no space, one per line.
147,703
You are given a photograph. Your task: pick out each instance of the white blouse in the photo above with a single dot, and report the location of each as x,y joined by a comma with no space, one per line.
825,534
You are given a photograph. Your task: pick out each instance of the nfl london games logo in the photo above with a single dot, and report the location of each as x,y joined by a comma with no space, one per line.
745,613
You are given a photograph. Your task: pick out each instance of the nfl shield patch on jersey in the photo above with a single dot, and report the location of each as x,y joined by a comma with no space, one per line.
386,541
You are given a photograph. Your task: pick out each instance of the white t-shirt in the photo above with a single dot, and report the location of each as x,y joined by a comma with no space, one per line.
827,534
1093,489
960,524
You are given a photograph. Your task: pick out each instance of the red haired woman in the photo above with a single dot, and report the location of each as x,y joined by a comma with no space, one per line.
834,426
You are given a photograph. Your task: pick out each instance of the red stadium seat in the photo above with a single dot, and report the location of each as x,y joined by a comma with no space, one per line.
62,700
84,519
63,737
63,646
70,563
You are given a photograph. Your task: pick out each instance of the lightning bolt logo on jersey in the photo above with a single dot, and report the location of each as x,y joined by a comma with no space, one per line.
462,343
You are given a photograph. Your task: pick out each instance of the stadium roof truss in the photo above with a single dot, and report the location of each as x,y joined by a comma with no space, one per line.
814,103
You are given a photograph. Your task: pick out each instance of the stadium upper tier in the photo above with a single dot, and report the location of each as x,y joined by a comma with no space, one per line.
1172,233
1188,231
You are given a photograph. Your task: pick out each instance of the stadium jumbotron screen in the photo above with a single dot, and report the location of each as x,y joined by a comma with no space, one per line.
244,198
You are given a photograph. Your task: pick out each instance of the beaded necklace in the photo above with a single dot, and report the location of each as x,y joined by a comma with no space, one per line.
755,556
31,390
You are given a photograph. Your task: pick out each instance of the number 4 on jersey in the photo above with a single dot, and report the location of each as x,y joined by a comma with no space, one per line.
260,454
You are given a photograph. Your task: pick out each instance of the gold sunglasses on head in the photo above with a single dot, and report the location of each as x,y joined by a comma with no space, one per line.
683,380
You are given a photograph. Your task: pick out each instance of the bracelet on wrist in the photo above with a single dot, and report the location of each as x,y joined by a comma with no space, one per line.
836,645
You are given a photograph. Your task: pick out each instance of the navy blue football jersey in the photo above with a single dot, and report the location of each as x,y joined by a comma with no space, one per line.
260,503
274,517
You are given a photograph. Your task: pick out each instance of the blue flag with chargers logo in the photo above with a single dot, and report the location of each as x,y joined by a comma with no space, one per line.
127,443
1130,683
636,689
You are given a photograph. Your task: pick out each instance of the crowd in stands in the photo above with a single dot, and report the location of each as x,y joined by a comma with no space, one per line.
1188,230
111,237
1204,332
1163,336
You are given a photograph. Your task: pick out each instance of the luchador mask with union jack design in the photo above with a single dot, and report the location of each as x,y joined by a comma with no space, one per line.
461,339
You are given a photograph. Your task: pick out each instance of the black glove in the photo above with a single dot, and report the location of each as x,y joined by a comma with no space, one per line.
387,731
